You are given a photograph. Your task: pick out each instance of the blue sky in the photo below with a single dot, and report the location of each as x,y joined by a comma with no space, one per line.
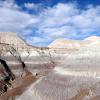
40,22
54,2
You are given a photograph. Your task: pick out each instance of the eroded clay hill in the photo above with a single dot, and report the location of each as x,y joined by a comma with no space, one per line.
76,75
17,59
75,44
65,70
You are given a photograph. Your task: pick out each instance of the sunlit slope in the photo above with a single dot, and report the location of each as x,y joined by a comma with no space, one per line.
76,75
74,44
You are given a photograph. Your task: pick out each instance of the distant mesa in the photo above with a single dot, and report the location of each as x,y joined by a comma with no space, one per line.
74,44
11,38
93,38
65,43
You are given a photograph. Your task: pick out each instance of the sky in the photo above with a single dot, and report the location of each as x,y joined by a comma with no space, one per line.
40,22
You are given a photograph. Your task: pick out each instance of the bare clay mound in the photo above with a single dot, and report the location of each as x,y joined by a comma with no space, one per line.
70,75
76,75
65,43
74,44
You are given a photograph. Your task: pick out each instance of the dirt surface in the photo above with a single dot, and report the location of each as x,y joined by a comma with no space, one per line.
18,86
96,98
81,94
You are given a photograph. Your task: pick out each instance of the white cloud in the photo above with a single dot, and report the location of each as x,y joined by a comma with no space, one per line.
13,19
9,4
33,6
58,15
30,5
67,20
61,20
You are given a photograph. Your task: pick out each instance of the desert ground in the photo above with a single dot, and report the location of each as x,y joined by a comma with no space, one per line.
71,73
74,76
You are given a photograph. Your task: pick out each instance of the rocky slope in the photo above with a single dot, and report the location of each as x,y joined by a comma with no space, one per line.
14,50
17,54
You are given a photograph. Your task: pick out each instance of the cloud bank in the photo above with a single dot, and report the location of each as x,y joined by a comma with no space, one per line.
59,21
